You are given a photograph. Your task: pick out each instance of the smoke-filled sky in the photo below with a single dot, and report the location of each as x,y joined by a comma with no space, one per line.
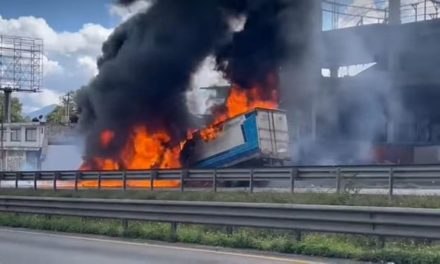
74,31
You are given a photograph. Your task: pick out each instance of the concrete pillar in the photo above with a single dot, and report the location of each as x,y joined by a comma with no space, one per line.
334,71
395,38
395,13
316,58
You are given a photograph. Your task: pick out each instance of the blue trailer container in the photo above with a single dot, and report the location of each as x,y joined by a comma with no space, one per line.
259,135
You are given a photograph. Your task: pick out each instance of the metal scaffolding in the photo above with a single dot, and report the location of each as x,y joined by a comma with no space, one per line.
341,14
21,63
21,70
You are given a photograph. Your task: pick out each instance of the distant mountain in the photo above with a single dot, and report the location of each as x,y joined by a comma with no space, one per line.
44,111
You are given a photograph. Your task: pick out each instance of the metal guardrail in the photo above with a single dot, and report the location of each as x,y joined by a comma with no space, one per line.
196,178
378,221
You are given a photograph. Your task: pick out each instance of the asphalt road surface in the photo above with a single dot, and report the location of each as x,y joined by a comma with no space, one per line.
23,247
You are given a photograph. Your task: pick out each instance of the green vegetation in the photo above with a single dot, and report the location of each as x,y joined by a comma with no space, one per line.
16,107
267,197
64,112
341,246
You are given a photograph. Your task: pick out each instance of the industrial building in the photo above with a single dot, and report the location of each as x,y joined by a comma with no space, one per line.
371,88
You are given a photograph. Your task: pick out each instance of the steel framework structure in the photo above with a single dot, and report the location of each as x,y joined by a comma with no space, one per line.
378,12
21,63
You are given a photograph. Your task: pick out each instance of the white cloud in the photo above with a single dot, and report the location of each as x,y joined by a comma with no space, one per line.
207,75
69,59
125,12
369,10
88,64
51,67
87,40
197,99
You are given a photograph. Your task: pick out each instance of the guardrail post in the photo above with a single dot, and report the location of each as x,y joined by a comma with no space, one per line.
125,226
293,175
77,175
381,240
251,180
183,175
99,180
173,231
55,177
124,180
390,183
153,175
229,229
17,175
297,235
338,180
35,179
214,180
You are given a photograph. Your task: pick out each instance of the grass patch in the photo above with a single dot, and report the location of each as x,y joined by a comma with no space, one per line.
267,197
342,246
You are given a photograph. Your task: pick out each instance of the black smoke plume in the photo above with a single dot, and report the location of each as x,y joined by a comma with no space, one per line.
255,51
147,64
145,69
263,45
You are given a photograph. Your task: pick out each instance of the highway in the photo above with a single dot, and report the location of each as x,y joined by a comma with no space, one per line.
19,246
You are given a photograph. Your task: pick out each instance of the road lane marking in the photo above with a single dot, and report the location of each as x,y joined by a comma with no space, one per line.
144,244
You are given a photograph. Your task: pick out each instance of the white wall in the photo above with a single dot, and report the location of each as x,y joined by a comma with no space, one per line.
62,157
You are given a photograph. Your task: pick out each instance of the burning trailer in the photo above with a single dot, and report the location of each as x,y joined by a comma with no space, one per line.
258,138
134,113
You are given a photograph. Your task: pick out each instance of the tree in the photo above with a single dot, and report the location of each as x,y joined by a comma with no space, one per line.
66,111
16,107
56,116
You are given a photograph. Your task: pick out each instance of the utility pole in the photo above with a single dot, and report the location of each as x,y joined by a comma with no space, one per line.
67,106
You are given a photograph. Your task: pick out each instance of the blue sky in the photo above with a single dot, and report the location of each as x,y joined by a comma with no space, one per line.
62,15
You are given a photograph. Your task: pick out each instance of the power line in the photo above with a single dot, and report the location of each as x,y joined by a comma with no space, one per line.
352,6
352,15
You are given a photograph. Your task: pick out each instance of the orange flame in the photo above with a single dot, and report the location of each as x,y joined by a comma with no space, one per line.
150,150
239,102
143,150
146,149
106,138
112,184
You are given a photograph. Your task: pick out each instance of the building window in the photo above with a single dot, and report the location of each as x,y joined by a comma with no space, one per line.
31,134
15,134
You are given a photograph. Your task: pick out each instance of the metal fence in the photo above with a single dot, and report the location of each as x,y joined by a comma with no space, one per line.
379,221
338,178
